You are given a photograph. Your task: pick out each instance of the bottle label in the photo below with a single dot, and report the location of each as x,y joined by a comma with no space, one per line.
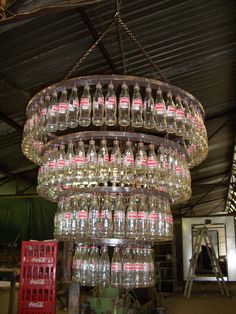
128,266
124,102
100,100
146,266
137,104
110,103
82,215
116,267
132,215
119,215
60,163
142,161
171,110
178,169
75,103
189,116
63,107
180,114
165,165
103,159
67,216
153,216
55,108
52,164
85,103
160,108
43,112
151,163
142,215
195,121
79,160
128,160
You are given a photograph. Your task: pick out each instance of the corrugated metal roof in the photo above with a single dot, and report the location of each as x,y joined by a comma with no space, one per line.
194,43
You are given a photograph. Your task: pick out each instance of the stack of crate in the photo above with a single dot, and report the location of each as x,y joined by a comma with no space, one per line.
37,292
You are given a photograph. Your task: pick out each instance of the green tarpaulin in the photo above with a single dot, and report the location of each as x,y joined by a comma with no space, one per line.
32,218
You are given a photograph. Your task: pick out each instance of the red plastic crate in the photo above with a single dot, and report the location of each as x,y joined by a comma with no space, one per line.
37,292
39,252
37,297
37,311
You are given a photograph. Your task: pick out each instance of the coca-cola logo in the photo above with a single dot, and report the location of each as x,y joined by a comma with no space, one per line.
37,282
35,305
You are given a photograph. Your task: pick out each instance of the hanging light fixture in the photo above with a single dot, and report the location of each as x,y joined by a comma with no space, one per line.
114,153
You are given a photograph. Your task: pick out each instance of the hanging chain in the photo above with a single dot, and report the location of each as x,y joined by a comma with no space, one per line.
90,49
116,19
145,53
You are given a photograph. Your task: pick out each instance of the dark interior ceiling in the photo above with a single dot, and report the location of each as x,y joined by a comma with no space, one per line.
193,42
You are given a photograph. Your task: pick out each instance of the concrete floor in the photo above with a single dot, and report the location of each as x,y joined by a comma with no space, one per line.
205,299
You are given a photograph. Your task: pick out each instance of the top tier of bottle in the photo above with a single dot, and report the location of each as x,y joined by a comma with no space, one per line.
61,109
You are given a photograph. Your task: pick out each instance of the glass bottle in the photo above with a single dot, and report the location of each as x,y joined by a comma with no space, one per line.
115,164
152,167
180,117
128,269
62,111
105,224
138,269
69,166
128,165
170,114
93,219
105,273
124,106
148,109
188,121
98,106
74,211
79,165
160,230
141,166
84,266
76,262
43,113
153,218
142,221
91,163
61,164
85,107
137,108
93,271
67,218
160,112
52,114
103,164
82,217
110,106
119,219
131,218
116,268
73,109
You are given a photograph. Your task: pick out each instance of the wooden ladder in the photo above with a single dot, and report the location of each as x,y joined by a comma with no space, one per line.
202,234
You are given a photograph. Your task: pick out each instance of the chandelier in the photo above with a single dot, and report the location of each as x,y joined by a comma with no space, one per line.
114,152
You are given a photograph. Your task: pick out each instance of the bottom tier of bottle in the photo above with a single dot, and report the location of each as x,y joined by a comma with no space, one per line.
130,267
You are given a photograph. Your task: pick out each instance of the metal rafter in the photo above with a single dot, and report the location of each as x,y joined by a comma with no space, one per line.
94,33
10,122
